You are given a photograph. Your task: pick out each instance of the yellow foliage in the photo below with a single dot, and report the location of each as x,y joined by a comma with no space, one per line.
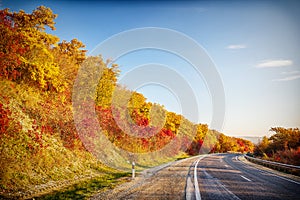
41,64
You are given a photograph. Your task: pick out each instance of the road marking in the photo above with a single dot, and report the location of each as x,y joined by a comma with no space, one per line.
245,178
197,191
226,166
218,183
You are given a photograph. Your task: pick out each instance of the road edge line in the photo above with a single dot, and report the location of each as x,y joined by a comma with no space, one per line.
197,191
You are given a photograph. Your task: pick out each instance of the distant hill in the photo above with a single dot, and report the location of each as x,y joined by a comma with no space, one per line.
255,140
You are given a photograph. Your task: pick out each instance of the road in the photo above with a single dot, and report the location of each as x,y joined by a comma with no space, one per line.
216,176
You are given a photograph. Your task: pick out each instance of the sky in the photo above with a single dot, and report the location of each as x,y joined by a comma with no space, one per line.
254,46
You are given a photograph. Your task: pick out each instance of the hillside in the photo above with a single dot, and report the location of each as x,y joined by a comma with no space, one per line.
49,134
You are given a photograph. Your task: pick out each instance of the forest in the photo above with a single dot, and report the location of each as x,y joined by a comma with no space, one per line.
39,141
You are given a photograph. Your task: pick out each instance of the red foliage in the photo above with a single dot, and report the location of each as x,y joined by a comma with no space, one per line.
240,142
11,47
200,142
140,133
139,119
195,147
4,119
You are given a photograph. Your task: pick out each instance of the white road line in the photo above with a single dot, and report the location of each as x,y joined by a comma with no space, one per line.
197,191
245,178
217,182
226,166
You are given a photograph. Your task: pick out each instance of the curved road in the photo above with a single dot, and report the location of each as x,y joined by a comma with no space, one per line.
216,176
224,176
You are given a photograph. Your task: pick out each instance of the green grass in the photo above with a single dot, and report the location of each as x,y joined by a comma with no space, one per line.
86,189
182,155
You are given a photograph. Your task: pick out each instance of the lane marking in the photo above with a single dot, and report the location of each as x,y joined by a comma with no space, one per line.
197,191
226,166
245,178
218,182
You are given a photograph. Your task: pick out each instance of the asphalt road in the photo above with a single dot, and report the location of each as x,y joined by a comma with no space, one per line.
217,176
224,176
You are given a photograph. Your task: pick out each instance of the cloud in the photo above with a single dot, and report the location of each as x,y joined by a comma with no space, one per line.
274,63
290,75
291,72
289,78
236,46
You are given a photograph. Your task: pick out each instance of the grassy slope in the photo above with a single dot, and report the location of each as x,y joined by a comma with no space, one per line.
55,171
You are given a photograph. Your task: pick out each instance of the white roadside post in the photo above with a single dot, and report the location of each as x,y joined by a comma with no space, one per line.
133,170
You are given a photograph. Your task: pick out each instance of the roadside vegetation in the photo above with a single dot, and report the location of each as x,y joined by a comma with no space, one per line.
39,143
283,146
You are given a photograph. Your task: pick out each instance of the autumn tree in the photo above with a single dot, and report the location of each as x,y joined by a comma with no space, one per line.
107,83
283,146
12,48
198,139
262,147
284,139
27,50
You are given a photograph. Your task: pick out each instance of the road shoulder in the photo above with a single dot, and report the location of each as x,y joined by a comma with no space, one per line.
260,167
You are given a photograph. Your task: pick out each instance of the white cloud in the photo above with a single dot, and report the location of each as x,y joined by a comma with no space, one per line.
291,72
289,78
236,46
290,75
274,63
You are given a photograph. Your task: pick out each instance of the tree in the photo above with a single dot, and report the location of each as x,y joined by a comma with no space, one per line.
283,146
12,48
284,139
261,148
29,54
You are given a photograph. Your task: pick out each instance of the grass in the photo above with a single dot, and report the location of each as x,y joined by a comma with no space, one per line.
182,155
86,189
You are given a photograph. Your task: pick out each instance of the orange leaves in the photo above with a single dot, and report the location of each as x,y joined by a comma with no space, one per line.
40,17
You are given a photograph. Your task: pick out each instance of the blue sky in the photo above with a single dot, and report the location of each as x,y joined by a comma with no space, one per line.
254,45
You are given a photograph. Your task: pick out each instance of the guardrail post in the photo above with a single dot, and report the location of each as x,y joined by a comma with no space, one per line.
133,170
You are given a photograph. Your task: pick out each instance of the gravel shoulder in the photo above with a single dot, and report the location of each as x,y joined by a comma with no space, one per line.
162,182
